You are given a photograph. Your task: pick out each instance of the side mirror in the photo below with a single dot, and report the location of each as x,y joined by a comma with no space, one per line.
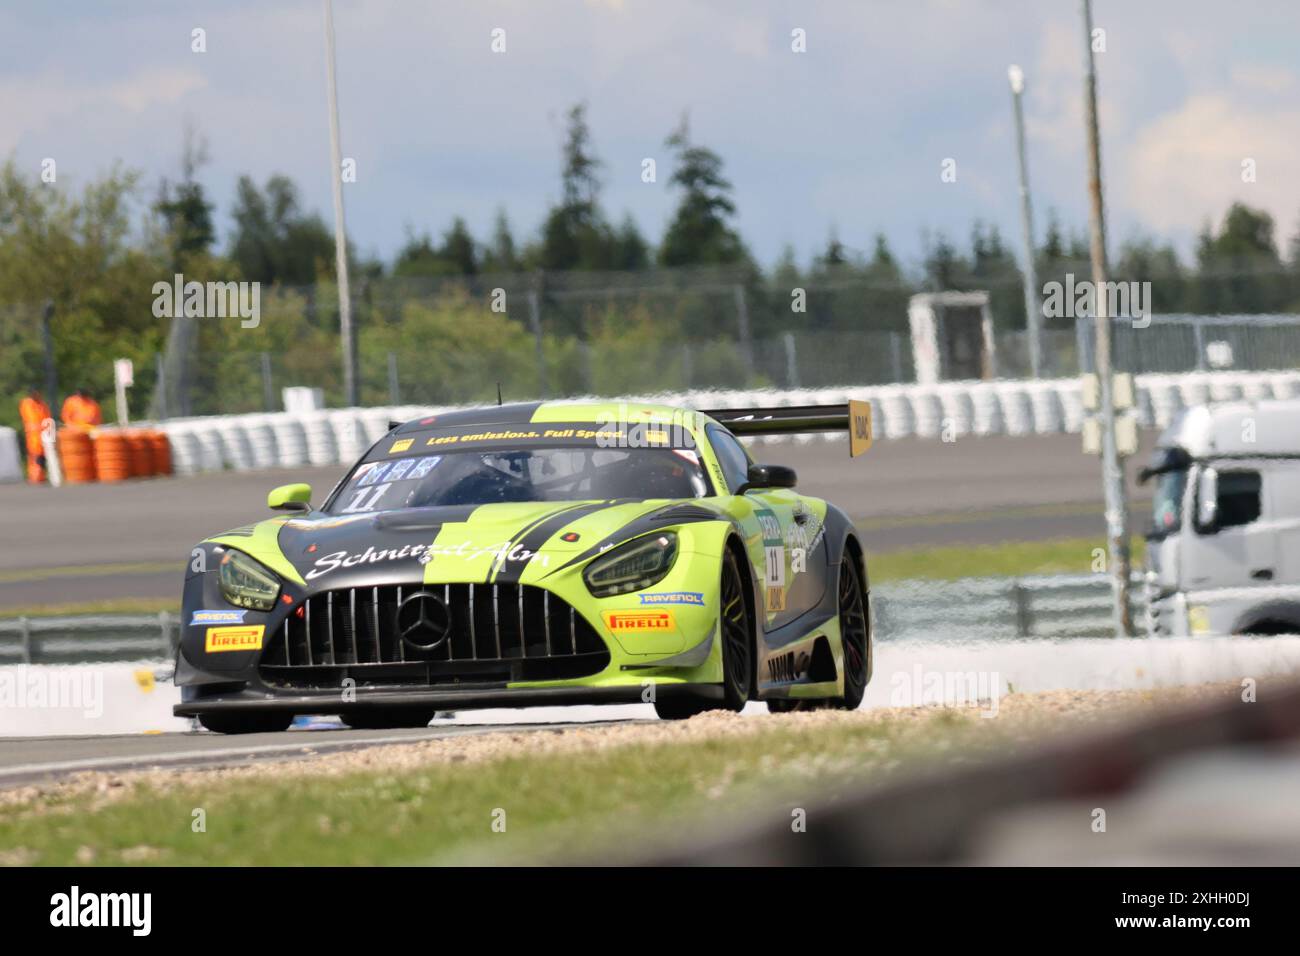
290,498
1207,498
769,476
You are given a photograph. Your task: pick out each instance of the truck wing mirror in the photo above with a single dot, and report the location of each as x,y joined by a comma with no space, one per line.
1207,498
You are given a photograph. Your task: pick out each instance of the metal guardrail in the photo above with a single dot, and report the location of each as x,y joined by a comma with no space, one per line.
969,609
978,609
89,638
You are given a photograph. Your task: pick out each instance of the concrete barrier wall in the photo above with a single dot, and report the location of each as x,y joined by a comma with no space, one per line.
242,442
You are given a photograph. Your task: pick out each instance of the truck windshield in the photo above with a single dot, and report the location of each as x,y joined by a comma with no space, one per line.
1167,503
534,474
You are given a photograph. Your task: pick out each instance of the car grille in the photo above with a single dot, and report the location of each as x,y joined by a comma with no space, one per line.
483,634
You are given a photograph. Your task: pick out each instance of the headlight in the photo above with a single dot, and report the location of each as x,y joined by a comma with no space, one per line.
633,566
245,583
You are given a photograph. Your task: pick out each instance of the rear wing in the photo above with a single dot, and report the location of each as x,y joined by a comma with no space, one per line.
852,417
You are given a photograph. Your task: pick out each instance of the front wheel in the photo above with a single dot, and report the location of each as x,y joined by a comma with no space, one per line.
737,651
236,723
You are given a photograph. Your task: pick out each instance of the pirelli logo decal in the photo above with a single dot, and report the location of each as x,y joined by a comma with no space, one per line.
625,621
234,639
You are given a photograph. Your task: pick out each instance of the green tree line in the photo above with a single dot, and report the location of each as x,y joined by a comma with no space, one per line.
599,285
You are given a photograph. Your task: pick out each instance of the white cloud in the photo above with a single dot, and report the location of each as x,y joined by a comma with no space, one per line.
34,106
1187,164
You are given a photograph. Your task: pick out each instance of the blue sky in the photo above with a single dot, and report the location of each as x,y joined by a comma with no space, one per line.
850,135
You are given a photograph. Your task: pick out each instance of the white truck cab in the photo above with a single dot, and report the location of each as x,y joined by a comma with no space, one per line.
1223,552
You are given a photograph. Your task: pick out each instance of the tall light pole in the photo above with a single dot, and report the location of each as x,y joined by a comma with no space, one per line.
1111,465
340,228
1033,311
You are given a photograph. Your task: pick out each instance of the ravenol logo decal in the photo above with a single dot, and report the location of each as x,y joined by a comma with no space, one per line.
639,620
674,597
218,617
234,639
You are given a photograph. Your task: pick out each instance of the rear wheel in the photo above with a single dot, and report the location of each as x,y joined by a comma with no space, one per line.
737,651
388,718
855,639
236,723
855,636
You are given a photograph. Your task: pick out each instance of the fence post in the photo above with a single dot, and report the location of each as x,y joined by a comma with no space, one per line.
26,627
160,386
1024,618
791,361
394,386
268,387
535,320
742,323
1198,333
165,629
1081,345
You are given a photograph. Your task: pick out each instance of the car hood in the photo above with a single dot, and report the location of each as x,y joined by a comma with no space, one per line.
495,542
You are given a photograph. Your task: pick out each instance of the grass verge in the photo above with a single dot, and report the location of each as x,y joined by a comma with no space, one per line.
561,794
1055,556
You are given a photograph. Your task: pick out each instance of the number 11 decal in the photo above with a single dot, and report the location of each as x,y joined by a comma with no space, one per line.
359,502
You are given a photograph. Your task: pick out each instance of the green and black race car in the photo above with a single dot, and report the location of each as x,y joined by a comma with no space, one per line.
544,553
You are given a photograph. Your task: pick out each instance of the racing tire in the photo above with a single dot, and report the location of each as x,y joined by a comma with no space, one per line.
271,722
388,718
855,636
737,651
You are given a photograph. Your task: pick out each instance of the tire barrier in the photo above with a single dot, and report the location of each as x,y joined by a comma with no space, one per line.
340,436
77,455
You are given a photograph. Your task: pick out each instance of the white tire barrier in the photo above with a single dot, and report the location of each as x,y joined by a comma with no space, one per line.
11,466
321,446
1045,408
290,440
1017,414
261,441
958,408
340,436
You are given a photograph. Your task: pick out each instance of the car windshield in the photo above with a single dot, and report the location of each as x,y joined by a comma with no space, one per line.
537,474
1167,503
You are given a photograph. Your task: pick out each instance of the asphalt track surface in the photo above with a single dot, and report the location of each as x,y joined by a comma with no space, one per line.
130,540
34,760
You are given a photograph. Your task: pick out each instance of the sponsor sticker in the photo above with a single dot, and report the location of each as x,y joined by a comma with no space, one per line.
371,472
402,445
673,597
424,465
776,599
639,620
399,469
218,617
234,639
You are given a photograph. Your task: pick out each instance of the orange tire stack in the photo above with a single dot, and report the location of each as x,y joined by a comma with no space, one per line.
141,451
77,453
162,453
112,456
